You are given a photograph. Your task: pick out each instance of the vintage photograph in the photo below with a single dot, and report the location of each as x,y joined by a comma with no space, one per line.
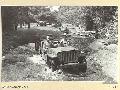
59,43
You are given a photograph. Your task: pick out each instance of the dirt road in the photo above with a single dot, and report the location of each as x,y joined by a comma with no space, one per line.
23,63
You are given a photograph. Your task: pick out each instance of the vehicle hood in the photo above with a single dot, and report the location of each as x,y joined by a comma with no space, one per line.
52,52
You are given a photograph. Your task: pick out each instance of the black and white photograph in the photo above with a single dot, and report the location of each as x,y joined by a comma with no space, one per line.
59,43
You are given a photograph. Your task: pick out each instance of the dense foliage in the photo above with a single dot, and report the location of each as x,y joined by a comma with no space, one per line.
102,19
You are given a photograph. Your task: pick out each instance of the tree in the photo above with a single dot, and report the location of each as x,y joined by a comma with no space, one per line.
24,16
94,18
103,18
9,18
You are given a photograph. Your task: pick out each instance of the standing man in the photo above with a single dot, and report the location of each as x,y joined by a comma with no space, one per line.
63,41
45,45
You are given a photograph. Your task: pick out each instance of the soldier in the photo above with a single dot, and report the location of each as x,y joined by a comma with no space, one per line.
55,44
45,45
63,41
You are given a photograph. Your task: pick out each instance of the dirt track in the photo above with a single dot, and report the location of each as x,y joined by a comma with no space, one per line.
24,64
27,65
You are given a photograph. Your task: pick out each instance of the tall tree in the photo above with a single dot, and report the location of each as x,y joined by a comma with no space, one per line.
9,17
94,18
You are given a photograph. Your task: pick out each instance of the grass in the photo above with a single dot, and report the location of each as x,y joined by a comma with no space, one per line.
81,43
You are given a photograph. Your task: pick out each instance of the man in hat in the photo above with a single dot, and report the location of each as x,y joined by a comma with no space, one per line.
63,41
45,45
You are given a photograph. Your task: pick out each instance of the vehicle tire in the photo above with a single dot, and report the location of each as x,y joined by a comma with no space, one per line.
48,62
83,64
83,68
53,66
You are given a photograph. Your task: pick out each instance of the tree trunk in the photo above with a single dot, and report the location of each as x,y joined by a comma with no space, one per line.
28,25
20,25
16,26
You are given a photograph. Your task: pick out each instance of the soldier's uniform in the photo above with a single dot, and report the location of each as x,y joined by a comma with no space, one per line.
63,41
45,45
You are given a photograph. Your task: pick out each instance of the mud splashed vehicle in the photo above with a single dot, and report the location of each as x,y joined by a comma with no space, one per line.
60,56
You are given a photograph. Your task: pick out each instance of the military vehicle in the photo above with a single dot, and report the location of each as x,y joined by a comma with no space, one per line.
57,56
60,56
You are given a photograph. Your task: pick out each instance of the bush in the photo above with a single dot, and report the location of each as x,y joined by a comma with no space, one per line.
81,43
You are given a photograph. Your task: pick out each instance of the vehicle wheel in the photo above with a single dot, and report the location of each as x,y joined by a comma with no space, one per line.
48,62
83,63
83,68
53,66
